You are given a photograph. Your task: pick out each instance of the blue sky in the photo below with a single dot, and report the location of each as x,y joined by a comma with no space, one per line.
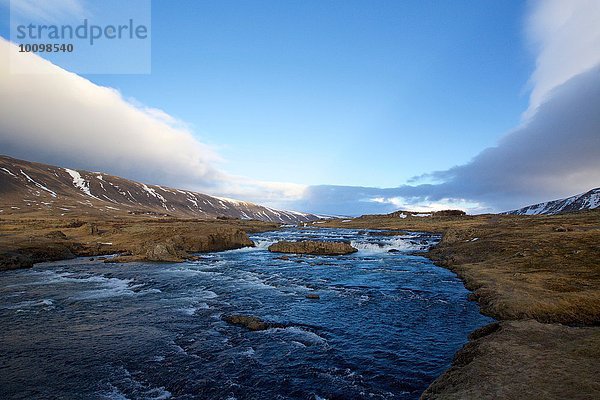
319,92
330,106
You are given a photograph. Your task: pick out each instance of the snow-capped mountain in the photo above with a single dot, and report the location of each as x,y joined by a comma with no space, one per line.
584,201
27,186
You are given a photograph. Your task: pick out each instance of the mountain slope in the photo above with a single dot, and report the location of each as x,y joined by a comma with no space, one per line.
584,201
26,186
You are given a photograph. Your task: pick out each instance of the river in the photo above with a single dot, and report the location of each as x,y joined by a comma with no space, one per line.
385,325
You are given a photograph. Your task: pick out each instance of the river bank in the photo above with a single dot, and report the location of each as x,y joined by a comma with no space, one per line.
26,241
540,277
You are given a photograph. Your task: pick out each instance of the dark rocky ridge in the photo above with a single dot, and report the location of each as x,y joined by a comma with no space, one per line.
26,187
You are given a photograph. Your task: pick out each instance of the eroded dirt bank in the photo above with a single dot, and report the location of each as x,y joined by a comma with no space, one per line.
540,277
25,241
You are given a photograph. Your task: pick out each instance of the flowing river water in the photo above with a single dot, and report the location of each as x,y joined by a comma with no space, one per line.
385,326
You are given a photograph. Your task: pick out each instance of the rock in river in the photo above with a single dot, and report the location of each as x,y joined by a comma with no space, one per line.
313,247
250,322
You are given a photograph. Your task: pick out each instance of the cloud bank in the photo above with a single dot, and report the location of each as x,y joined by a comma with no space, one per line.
50,115
554,153
58,117
566,38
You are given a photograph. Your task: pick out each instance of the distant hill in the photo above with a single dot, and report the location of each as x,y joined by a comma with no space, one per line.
32,187
580,202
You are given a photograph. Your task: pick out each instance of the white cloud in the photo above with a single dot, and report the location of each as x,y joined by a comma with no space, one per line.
269,191
58,117
566,38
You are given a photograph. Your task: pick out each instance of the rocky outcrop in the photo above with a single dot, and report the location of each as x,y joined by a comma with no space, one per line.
313,247
250,322
26,242
226,240
165,252
58,235
13,260
180,246
27,256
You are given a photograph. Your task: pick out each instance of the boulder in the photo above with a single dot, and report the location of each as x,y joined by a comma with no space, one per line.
250,322
227,239
13,260
313,247
165,252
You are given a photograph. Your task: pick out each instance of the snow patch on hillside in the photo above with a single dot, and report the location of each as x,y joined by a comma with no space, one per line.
232,201
80,183
8,172
38,184
153,193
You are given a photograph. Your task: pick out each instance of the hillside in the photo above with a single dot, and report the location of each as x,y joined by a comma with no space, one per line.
28,187
584,201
